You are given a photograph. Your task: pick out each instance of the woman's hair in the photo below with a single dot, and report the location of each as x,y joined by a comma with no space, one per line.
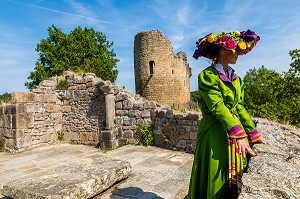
213,51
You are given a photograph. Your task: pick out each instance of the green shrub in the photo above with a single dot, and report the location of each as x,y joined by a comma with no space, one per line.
63,84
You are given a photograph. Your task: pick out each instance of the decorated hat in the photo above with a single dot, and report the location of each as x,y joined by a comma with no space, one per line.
239,42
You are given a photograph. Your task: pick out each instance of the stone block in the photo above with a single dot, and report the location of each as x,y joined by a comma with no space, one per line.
19,133
135,113
70,94
185,122
30,108
181,144
147,121
9,109
84,178
56,117
193,135
121,112
170,114
128,134
23,121
24,97
89,137
184,135
119,106
138,105
149,105
74,136
127,104
89,84
10,144
48,98
107,135
193,116
45,138
6,121
121,97
50,108
2,109
162,113
65,109
39,117
146,113
2,142
127,121
140,122
7,132
108,144
48,83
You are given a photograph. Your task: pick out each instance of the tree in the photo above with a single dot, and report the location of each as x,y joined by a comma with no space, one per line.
83,50
275,96
295,65
262,90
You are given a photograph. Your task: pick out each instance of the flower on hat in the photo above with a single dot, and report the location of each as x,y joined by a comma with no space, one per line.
211,38
231,44
238,42
242,45
237,33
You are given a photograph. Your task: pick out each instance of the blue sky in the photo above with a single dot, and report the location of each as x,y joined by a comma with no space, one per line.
23,23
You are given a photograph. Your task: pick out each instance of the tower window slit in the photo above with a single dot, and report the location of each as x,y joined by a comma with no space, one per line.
151,67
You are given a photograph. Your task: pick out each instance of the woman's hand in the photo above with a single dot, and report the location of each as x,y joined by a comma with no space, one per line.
244,147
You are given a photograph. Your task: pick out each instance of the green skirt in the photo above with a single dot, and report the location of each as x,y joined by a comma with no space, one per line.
217,167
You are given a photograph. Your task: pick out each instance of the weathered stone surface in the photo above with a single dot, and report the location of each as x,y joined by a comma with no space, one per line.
83,178
23,121
23,97
275,173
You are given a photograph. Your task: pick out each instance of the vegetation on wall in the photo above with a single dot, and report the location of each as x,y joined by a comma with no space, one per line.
63,84
147,136
83,50
4,98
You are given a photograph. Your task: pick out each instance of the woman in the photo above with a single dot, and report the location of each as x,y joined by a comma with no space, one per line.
226,128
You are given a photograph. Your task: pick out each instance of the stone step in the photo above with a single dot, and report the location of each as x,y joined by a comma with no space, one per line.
83,178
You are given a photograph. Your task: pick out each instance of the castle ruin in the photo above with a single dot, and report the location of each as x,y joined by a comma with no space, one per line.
160,75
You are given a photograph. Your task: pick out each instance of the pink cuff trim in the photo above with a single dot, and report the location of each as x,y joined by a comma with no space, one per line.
237,132
254,136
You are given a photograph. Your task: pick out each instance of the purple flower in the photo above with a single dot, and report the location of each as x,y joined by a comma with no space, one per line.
249,35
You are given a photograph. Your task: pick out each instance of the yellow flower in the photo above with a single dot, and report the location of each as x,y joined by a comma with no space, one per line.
211,38
242,45
237,33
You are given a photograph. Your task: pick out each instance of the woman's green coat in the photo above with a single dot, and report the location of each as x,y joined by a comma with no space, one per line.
223,114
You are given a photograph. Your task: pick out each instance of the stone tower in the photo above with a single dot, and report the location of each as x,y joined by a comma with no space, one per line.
160,75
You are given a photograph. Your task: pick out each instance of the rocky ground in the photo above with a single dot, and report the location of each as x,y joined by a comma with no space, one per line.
275,173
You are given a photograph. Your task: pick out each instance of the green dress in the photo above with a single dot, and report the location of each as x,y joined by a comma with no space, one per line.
218,166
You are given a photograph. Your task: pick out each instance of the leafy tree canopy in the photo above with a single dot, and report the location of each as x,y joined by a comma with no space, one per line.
275,96
295,65
81,51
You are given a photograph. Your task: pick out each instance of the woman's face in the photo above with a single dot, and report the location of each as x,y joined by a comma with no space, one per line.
228,56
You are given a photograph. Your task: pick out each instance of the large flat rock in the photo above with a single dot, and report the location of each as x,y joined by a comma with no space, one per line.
73,177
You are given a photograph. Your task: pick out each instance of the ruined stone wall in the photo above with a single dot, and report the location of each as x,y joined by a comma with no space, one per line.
89,111
31,120
83,108
160,75
133,110
180,128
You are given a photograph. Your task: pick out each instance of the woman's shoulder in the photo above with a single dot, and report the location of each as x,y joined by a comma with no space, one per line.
209,71
208,76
